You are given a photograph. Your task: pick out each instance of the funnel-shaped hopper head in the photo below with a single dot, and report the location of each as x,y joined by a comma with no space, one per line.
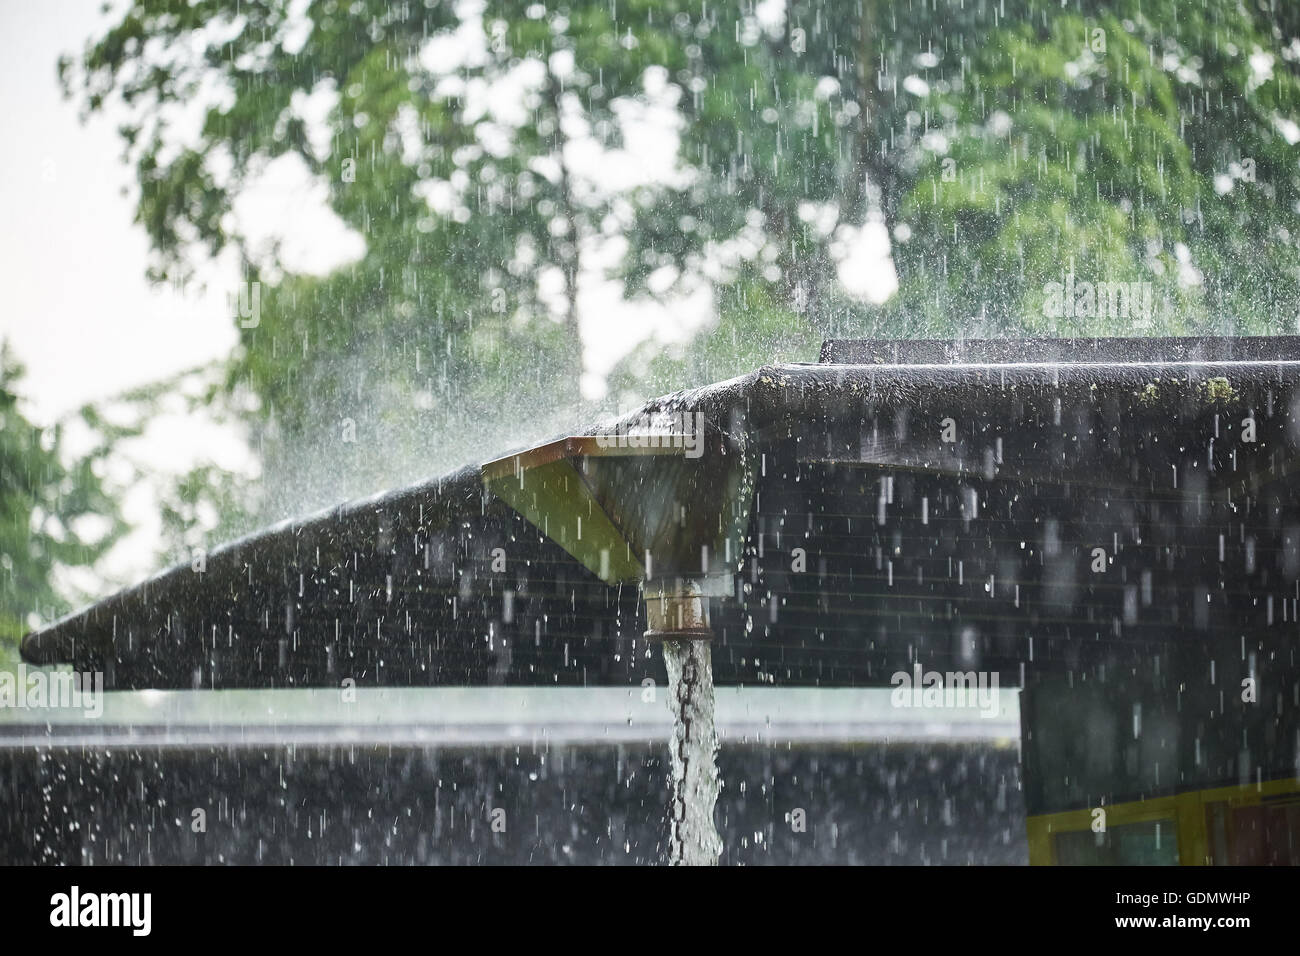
655,500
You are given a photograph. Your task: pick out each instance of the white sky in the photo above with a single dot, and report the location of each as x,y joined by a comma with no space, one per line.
77,308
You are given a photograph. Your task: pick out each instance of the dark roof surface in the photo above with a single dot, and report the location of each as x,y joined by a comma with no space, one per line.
1078,350
1142,456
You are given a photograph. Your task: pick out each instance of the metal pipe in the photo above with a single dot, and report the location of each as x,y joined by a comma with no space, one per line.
676,610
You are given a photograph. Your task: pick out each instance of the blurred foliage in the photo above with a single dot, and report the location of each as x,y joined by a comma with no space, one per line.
1001,145
1131,141
54,515
205,505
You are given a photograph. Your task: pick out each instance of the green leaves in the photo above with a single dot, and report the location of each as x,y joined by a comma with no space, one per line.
1006,147
1107,163
54,514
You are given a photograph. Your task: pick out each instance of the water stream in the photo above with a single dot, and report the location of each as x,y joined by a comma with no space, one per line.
693,836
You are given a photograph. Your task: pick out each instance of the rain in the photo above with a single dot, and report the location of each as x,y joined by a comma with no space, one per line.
791,432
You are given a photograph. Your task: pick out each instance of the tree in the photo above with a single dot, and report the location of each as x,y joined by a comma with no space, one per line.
54,516
1005,147
1012,150
461,209
1126,142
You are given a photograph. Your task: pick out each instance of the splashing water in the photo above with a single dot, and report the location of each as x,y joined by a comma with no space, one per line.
693,837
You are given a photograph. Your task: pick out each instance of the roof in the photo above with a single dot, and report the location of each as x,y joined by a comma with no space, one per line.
932,488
